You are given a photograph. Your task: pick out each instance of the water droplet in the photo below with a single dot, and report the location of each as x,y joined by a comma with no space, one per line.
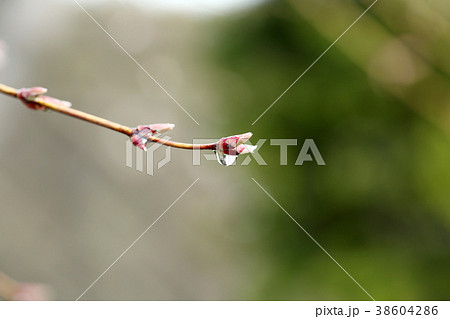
225,159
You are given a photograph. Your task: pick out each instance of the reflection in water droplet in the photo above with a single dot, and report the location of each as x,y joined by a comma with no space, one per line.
225,159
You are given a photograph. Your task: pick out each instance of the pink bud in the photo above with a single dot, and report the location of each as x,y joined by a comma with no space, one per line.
228,148
161,128
28,95
52,100
228,144
139,139
140,133
156,128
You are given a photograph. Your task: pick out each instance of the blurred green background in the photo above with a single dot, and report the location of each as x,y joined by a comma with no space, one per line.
377,105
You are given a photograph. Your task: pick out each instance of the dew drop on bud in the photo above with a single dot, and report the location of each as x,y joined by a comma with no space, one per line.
225,159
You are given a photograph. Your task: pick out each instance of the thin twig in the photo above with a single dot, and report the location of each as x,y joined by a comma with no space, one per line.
52,105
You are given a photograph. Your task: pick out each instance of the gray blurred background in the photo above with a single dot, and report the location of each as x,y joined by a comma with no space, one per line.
377,106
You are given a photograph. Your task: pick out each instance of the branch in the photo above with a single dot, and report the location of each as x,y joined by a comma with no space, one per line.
226,148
